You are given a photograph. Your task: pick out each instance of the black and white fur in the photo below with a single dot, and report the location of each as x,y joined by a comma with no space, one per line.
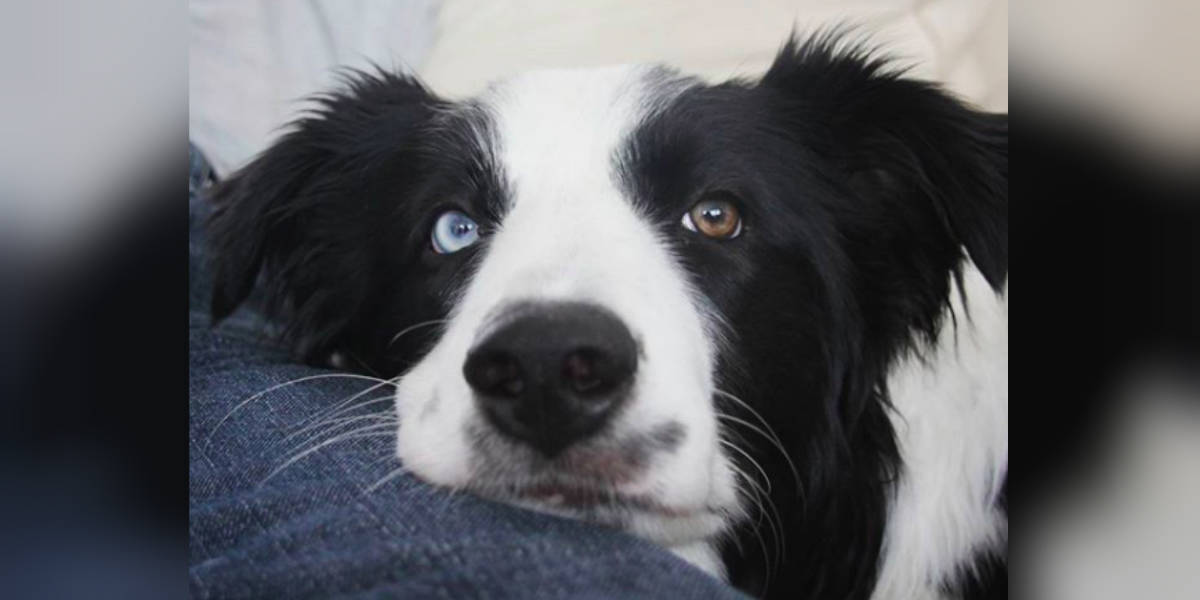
858,324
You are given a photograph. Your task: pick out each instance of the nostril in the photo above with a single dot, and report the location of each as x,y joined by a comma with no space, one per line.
494,373
582,370
513,386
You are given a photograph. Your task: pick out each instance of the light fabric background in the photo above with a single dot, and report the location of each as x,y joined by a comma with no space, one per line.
252,62
961,42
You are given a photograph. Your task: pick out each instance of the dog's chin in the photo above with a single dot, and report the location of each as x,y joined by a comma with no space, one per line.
688,531
640,514
606,486
586,502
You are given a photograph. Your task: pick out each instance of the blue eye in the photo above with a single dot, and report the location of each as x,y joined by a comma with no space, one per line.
453,232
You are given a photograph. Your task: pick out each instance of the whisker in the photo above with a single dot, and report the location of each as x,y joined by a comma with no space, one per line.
776,523
330,418
337,407
414,328
756,499
749,409
239,406
735,447
333,424
364,432
773,437
383,458
386,478
774,441
376,427
450,492
767,565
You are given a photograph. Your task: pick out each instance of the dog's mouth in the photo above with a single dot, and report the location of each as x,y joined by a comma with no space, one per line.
585,483
586,498
622,480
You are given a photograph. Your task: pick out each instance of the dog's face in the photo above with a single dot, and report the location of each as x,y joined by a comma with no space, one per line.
623,295
575,371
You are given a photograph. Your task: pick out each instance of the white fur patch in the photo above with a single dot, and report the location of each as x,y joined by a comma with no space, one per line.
704,555
572,234
951,422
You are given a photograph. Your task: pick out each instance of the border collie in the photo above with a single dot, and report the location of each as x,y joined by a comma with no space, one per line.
761,323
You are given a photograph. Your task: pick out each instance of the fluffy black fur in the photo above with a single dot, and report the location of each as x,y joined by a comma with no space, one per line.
332,222
862,192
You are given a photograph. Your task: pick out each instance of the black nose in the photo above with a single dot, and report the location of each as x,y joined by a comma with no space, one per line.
552,374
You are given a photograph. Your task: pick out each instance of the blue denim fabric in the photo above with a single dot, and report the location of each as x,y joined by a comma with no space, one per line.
314,529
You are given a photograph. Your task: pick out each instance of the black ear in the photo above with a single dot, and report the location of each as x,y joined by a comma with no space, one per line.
297,220
926,159
256,210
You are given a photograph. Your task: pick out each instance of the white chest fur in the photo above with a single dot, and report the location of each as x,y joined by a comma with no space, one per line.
951,423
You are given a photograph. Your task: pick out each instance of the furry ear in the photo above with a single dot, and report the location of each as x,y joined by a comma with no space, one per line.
255,210
298,221
906,142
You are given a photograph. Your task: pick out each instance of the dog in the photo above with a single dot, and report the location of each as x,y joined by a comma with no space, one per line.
762,323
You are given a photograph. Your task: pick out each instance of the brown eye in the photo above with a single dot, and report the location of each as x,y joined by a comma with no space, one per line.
716,216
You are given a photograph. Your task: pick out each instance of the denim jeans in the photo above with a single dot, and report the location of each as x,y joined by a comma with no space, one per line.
280,511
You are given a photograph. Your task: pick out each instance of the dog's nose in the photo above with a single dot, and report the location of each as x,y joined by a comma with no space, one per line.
552,374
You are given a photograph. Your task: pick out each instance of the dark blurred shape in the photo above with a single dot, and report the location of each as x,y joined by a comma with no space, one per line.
92,406
92,163
1107,244
1106,247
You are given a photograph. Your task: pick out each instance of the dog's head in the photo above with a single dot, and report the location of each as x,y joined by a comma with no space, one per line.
622,294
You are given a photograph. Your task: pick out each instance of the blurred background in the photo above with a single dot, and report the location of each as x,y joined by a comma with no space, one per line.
252,61
99,101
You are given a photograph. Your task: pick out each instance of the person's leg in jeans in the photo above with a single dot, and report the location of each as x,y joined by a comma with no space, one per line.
295,491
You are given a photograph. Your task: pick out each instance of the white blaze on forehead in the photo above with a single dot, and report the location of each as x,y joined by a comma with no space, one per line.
560,129
571,230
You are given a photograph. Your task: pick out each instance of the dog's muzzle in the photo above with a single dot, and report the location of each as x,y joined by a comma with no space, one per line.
552,374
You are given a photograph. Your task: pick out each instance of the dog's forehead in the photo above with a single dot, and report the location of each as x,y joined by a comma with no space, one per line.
566,127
